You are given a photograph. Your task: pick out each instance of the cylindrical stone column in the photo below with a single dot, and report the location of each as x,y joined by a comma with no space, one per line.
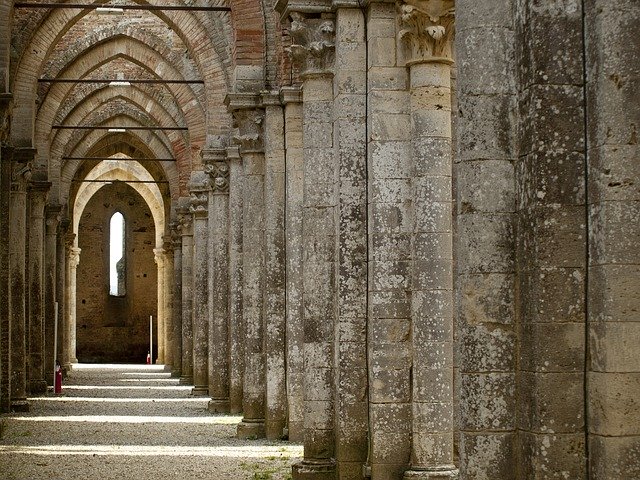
199,188
274,294
176,310
73,260
18,286
159,255
168,304
6,154
485,244
65,241
319,231
236,327
428,38
37,197
50,287
292,98
613,166
217,167
250,126
186,230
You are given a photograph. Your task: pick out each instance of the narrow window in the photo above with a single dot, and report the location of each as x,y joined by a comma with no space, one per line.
116,256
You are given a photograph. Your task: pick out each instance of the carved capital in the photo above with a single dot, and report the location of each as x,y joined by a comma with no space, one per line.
74,257
312,47
175,228
159,254
426,30
53,215
185,220
20,176
250,129
216,165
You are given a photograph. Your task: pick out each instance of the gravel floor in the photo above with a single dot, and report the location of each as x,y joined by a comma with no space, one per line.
132,422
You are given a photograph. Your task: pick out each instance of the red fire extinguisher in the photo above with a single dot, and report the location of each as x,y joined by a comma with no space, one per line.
57,388
148,359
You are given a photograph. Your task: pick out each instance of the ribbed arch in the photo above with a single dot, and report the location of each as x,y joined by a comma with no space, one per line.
61,20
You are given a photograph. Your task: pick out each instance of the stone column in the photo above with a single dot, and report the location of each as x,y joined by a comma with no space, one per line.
6,154
199,187
426,34
21,173
249,121
168,304
218,169
73,260
176,310
159,256
486,244
65,244
551,253
236,327
52,215
186,230
350,140
292,99
312,50
37,197
613,202
390,226
274,294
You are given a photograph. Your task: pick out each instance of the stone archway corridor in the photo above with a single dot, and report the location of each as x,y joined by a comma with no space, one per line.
132,422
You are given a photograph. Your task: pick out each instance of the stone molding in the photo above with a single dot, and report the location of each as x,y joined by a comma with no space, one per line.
426,30
312,47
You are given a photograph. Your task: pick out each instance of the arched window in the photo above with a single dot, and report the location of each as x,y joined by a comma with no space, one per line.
117,264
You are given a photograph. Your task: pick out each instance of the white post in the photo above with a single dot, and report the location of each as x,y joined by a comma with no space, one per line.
151,339
55,343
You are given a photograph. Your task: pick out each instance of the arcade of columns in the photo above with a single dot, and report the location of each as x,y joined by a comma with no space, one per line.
420,269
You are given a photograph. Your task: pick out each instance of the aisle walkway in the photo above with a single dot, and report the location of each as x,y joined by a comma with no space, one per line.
125,422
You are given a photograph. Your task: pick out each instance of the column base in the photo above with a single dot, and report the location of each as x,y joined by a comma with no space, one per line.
176,374
200,391
38,387
218,405
186,380
251,429
20,405
446,472
314,470
167,369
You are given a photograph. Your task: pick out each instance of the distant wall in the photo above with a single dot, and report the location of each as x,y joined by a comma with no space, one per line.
115,329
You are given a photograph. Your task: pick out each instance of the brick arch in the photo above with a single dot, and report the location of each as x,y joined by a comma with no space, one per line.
58,93
207,56
107,143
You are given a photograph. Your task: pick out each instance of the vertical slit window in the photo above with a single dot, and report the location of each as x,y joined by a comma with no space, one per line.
117,264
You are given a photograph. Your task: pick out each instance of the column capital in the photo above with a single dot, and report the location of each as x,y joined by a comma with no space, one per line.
159,254
290,94
74,256
426,30
53,215
217,167
175,228
199,187
249,135
185,219
312,48
20,173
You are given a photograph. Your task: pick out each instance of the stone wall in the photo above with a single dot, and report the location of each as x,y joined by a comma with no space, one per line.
110,328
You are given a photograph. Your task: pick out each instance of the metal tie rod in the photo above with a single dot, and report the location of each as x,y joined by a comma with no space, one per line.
120,181
117,81
122,7
113,129
128,159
